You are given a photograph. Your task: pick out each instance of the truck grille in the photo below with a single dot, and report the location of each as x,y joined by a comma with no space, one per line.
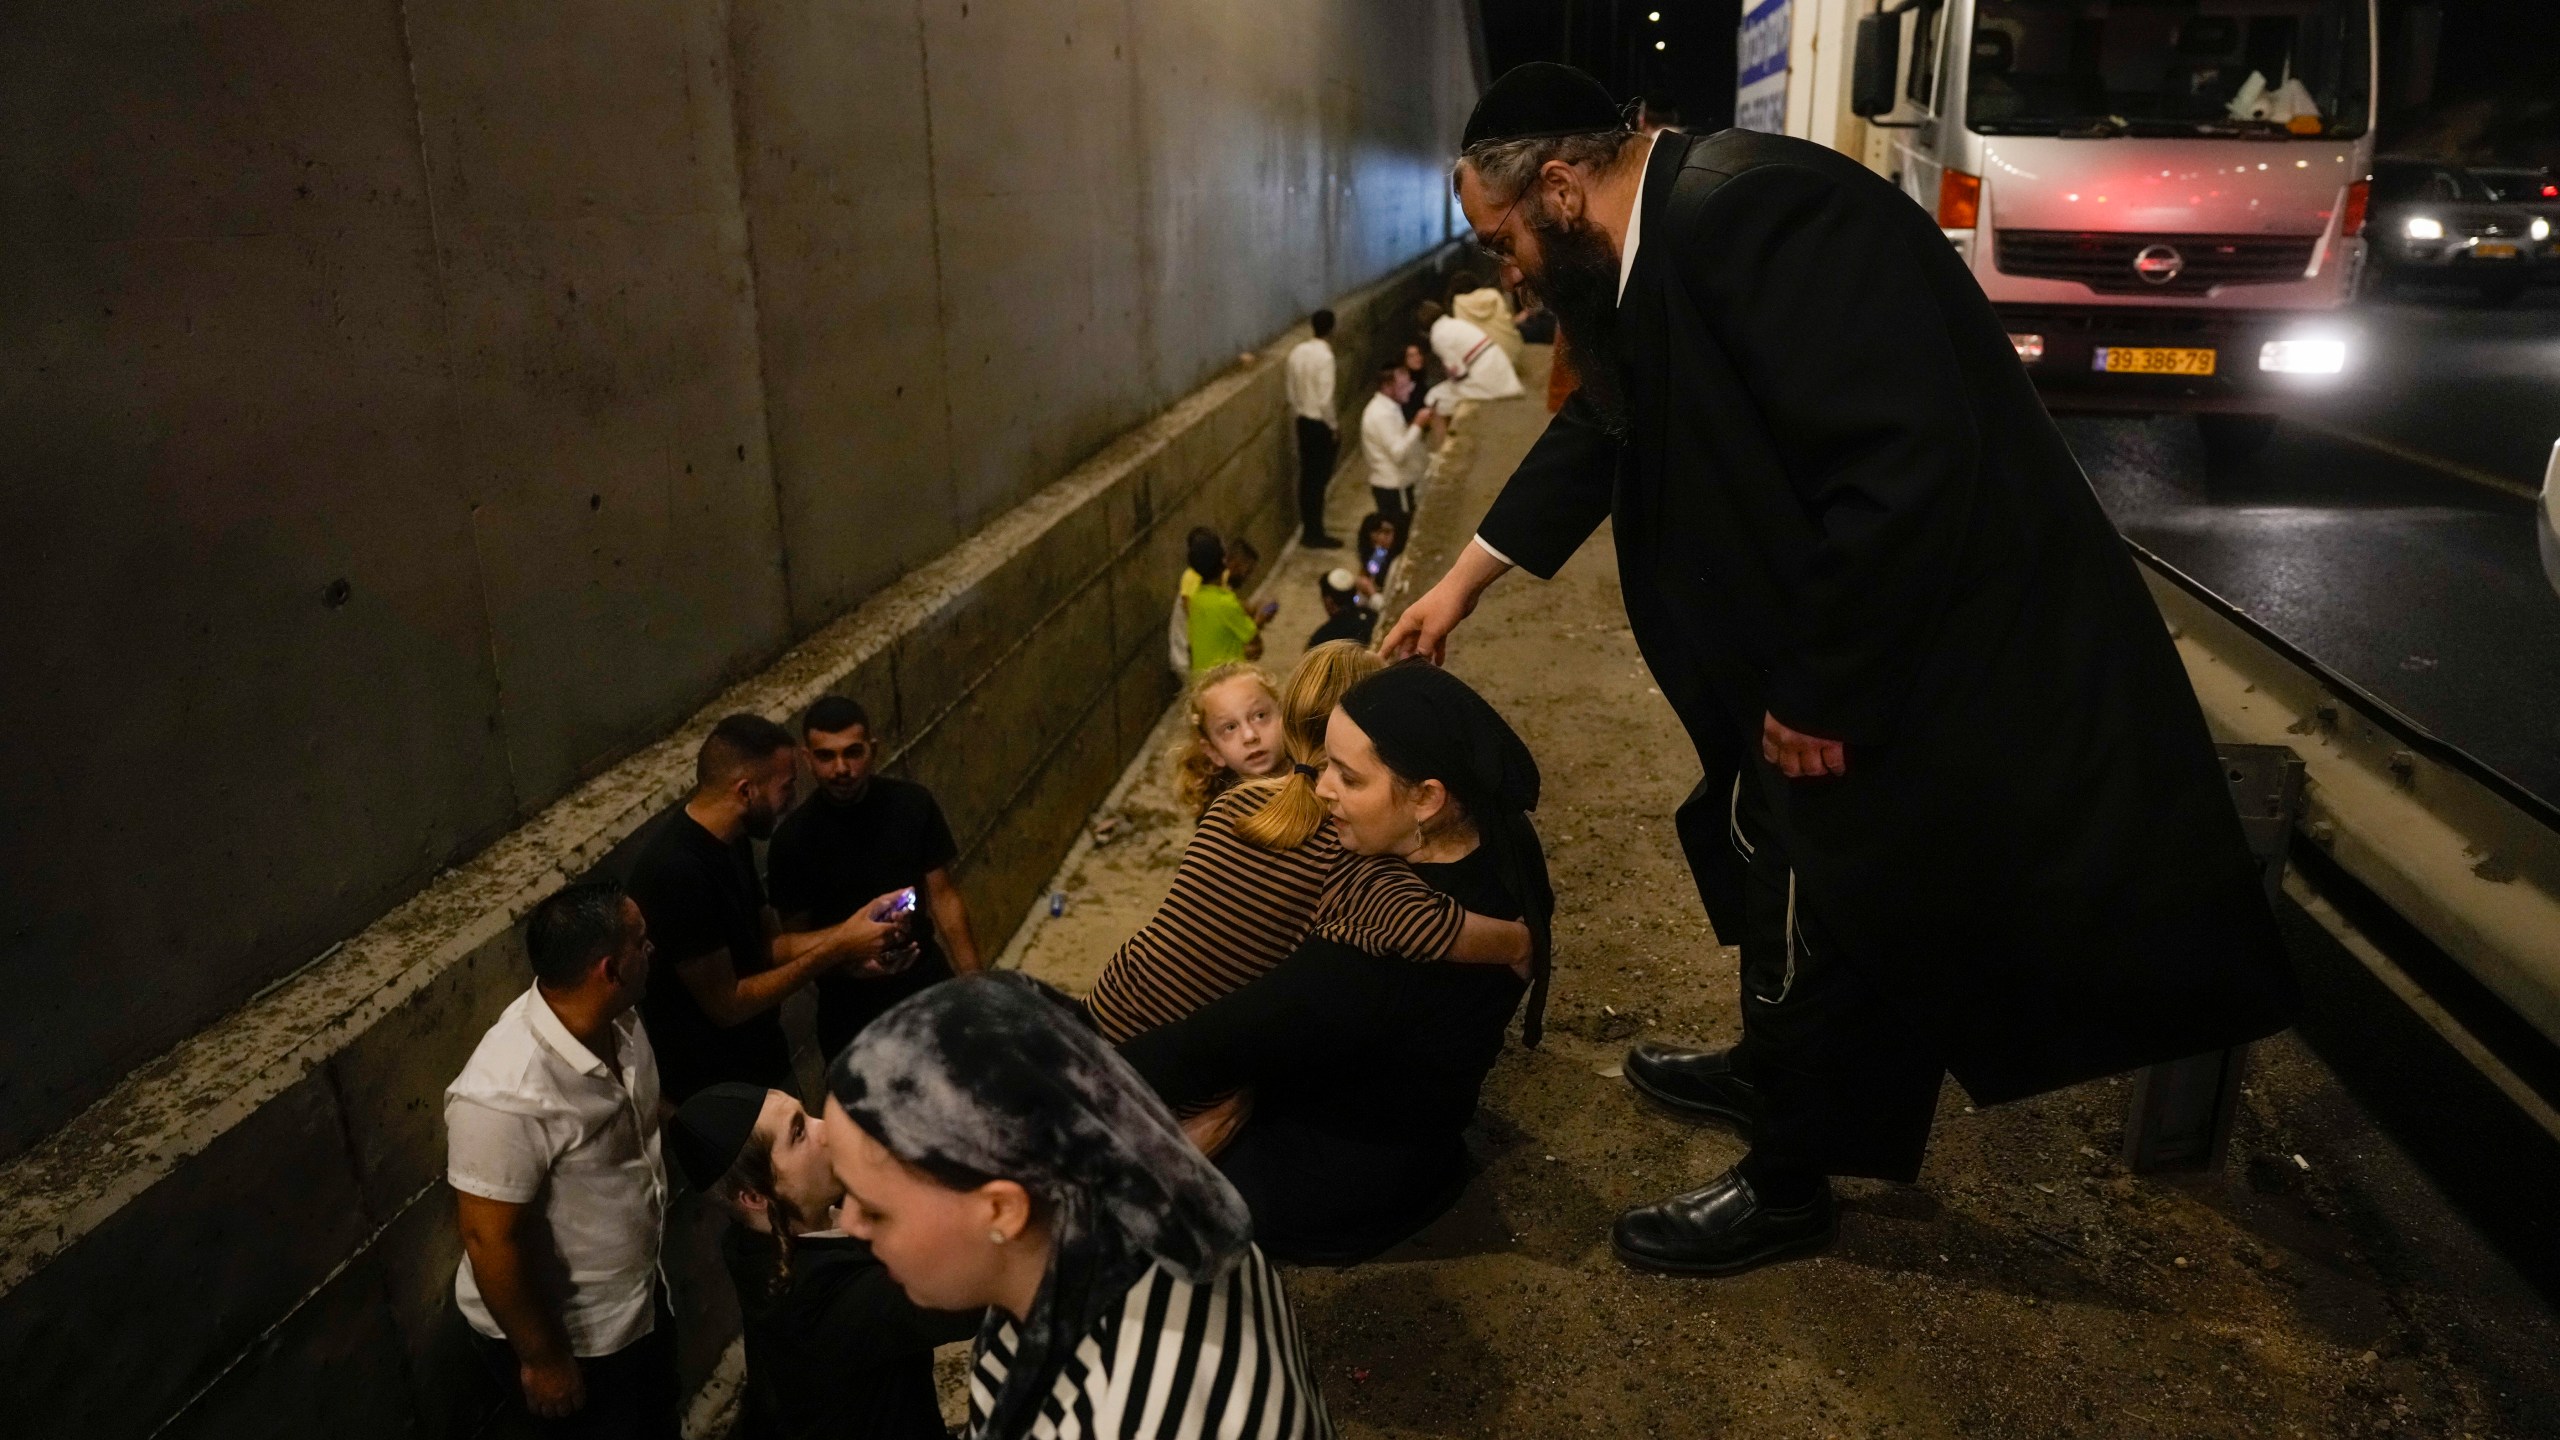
2106,262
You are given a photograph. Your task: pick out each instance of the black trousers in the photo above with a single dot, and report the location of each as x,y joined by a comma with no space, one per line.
1315,472
1398,503
632,1394
1323,1198
1849,1088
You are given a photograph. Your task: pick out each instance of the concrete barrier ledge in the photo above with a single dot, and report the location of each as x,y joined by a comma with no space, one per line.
263,1162
2474,871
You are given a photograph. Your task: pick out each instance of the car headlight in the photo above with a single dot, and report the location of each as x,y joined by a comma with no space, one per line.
2303,357
2541,228
2425,227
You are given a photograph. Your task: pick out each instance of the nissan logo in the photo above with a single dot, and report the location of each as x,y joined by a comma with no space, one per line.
2158,264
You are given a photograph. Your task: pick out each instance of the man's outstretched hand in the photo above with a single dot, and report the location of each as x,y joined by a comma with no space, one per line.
1423,629
1797,755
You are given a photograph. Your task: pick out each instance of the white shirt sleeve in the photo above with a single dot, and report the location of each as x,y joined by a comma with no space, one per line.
494,1154
1384,431
1496,554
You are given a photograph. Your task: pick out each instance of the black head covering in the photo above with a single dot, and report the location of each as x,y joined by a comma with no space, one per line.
1540,100
1427,724
710,1129
994,1074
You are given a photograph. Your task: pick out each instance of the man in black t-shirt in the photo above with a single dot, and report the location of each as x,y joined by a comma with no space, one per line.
711,1011
863,835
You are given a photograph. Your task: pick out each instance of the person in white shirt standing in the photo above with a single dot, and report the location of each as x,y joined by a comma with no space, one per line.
1310,377
1477,368
1394,447
552,1152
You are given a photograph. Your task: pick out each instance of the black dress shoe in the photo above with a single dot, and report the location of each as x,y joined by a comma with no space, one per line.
1722,1229
1320,542
1699,1084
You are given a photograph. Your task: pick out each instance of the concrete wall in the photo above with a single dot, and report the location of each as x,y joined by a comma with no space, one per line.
409,407
250,1236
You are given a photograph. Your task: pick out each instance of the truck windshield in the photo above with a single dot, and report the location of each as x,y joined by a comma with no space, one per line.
2261,68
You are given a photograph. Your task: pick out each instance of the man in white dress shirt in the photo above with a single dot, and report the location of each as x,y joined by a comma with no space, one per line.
1394,448
1310,376
1476,366
552,1152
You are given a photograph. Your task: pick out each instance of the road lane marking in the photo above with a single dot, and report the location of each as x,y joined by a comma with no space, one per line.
2437,463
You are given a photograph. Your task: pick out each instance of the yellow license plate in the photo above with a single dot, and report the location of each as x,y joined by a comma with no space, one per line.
2494,250
2151,360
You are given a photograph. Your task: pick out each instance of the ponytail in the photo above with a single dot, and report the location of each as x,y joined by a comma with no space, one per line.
1289,812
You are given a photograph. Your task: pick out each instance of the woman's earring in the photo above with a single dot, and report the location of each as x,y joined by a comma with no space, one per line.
995,1237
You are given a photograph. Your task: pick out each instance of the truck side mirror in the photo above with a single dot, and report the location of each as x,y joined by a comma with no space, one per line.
1879,56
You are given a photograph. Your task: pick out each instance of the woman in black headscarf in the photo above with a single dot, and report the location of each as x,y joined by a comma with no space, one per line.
1364,1069
995,1152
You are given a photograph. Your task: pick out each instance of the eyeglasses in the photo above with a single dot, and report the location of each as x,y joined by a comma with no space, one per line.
1490,243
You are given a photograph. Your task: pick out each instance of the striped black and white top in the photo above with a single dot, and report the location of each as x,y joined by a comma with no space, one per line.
1176,1361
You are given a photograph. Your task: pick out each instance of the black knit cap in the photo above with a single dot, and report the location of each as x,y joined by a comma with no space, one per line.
710,1129
1538,101
1428,724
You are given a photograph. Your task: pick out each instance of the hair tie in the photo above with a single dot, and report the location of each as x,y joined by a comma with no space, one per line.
1307,770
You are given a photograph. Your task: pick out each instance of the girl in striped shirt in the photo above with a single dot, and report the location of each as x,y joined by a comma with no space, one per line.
1264,869
1235,735
995,1152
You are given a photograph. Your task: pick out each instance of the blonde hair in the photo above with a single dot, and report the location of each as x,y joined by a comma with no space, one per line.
1199,775
1289,811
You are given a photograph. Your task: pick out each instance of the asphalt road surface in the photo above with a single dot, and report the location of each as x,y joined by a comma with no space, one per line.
2386,531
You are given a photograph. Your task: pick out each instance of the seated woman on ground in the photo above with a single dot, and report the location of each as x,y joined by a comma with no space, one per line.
1235,735
1364,1070
995,1152
1256,870
834,1348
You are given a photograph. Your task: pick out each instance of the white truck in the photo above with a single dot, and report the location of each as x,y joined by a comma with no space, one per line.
2163,199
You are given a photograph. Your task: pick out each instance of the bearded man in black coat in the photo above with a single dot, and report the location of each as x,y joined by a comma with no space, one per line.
1959,804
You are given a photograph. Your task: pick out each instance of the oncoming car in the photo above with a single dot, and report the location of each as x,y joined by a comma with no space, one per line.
2432,220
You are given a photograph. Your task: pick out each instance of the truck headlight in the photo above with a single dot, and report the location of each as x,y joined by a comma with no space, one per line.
2424,227
2303,357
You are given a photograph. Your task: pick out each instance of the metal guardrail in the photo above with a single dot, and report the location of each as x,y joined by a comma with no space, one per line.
2467,857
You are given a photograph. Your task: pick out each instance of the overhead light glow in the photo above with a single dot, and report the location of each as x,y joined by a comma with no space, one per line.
2425,227
1654,15
1660,45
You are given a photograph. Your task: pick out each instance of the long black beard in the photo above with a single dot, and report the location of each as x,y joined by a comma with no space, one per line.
1578,280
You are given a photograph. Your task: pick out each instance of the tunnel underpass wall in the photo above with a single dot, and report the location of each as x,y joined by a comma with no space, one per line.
251,1235
411,407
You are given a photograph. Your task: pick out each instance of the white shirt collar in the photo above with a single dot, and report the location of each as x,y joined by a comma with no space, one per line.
1635,224
546,1024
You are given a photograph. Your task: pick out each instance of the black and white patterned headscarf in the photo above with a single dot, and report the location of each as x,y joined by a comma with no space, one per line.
995,1075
